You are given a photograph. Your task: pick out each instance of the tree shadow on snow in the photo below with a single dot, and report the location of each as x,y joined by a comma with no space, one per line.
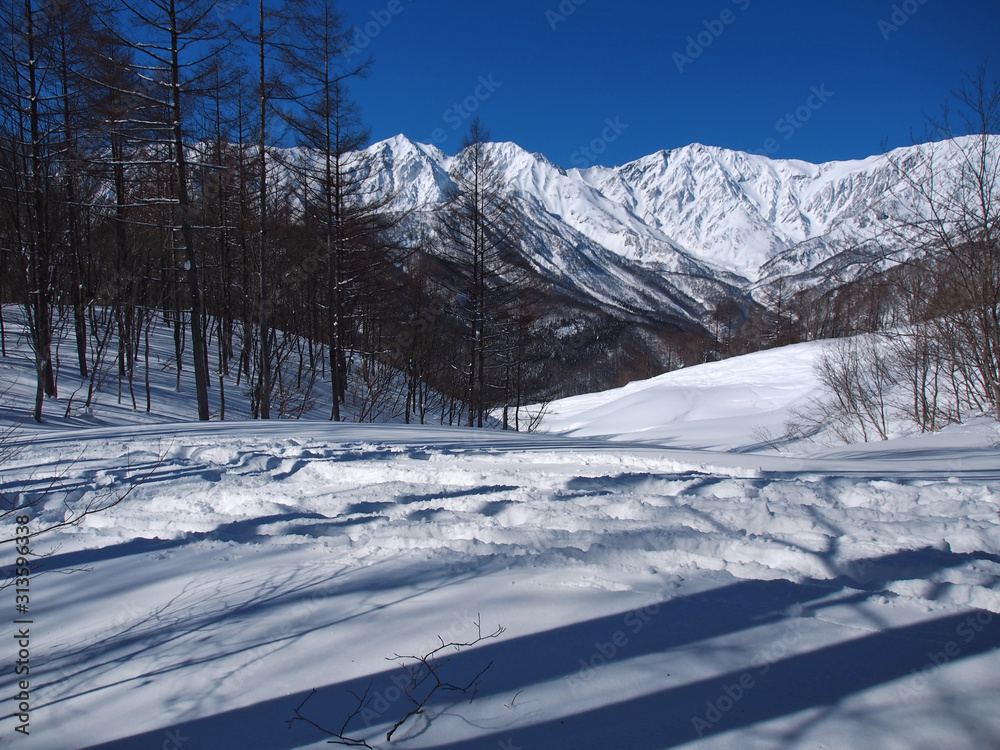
200,609
665,717
246,531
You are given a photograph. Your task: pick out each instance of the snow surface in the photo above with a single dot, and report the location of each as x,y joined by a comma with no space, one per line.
667,584
726,405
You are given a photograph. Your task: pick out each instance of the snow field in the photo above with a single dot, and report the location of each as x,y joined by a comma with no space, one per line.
243,570
652,511
675,585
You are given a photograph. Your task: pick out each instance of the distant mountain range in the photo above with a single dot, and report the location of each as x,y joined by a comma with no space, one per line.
694,222
644,253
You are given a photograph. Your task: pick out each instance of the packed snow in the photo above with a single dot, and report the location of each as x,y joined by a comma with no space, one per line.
663,579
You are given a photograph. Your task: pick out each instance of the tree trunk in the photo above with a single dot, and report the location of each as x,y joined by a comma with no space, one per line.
265,350
199,349
40,260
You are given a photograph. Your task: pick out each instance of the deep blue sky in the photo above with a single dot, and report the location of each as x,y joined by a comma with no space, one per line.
555,91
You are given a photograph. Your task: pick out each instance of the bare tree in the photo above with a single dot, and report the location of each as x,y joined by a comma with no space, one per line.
29,165
861,381
269,22
945,213
478,223
177,45
330,124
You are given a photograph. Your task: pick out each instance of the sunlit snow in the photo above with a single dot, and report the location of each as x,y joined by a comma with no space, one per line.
664,578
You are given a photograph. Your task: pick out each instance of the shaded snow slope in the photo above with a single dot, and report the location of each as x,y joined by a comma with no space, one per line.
637,587
169,393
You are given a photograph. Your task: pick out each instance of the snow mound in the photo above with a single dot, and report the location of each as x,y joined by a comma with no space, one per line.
729,405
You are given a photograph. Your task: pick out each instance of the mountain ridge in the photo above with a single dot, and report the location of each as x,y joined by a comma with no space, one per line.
696,209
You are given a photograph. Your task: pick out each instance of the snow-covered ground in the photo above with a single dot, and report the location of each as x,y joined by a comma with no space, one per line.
670,583
735,405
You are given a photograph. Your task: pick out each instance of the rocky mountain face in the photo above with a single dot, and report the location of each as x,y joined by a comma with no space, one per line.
697,212
653,248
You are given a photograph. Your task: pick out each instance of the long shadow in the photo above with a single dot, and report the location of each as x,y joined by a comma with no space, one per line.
821,678
661,719
244,531
614,485
144,475
909,565
705,615
455,494
166,626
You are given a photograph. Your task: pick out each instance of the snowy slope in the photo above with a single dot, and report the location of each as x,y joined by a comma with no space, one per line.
169,398
653,595
729,405
739,210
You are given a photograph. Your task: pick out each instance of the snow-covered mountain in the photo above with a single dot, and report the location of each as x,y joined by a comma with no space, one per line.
705,220
569,229
738,211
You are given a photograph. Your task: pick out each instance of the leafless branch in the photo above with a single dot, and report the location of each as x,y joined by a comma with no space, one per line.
425,669
339,738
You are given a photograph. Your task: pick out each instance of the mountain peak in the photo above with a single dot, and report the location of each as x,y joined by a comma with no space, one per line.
724,211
